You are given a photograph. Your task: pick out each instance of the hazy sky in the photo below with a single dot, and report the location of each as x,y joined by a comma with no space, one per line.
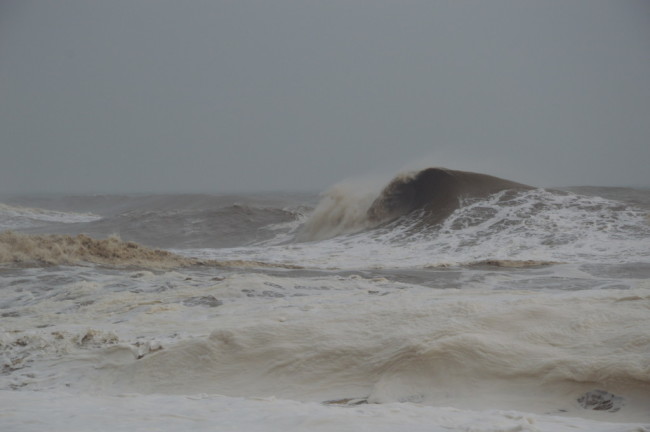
220,96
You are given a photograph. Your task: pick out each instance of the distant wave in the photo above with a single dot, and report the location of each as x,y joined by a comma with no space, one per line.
160,221
435,191
14,217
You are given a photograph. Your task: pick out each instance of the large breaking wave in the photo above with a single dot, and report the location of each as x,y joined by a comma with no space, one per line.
443,217
435,192
426,218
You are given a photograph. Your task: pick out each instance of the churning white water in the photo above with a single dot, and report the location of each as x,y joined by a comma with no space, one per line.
524,310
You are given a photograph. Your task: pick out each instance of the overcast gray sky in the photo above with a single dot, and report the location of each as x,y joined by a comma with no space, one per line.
221,96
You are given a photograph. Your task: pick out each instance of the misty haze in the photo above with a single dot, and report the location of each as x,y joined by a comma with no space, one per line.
324,215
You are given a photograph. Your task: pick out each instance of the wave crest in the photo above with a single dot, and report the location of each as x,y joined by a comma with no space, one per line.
52,249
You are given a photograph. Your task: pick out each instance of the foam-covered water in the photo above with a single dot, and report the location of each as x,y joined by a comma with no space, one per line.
535,225
521,310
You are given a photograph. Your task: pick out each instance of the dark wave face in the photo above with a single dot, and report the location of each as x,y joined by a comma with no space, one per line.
437,191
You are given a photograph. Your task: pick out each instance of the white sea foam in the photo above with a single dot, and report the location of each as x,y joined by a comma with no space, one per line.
50,411
330,338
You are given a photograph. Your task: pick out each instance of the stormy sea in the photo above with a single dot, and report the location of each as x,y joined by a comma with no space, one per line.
439,300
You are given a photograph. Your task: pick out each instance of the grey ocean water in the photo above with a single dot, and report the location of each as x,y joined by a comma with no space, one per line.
519,310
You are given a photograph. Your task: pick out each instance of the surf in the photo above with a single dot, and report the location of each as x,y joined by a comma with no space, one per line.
441,289
439,348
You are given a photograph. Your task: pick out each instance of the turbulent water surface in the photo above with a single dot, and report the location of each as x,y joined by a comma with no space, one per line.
445,301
